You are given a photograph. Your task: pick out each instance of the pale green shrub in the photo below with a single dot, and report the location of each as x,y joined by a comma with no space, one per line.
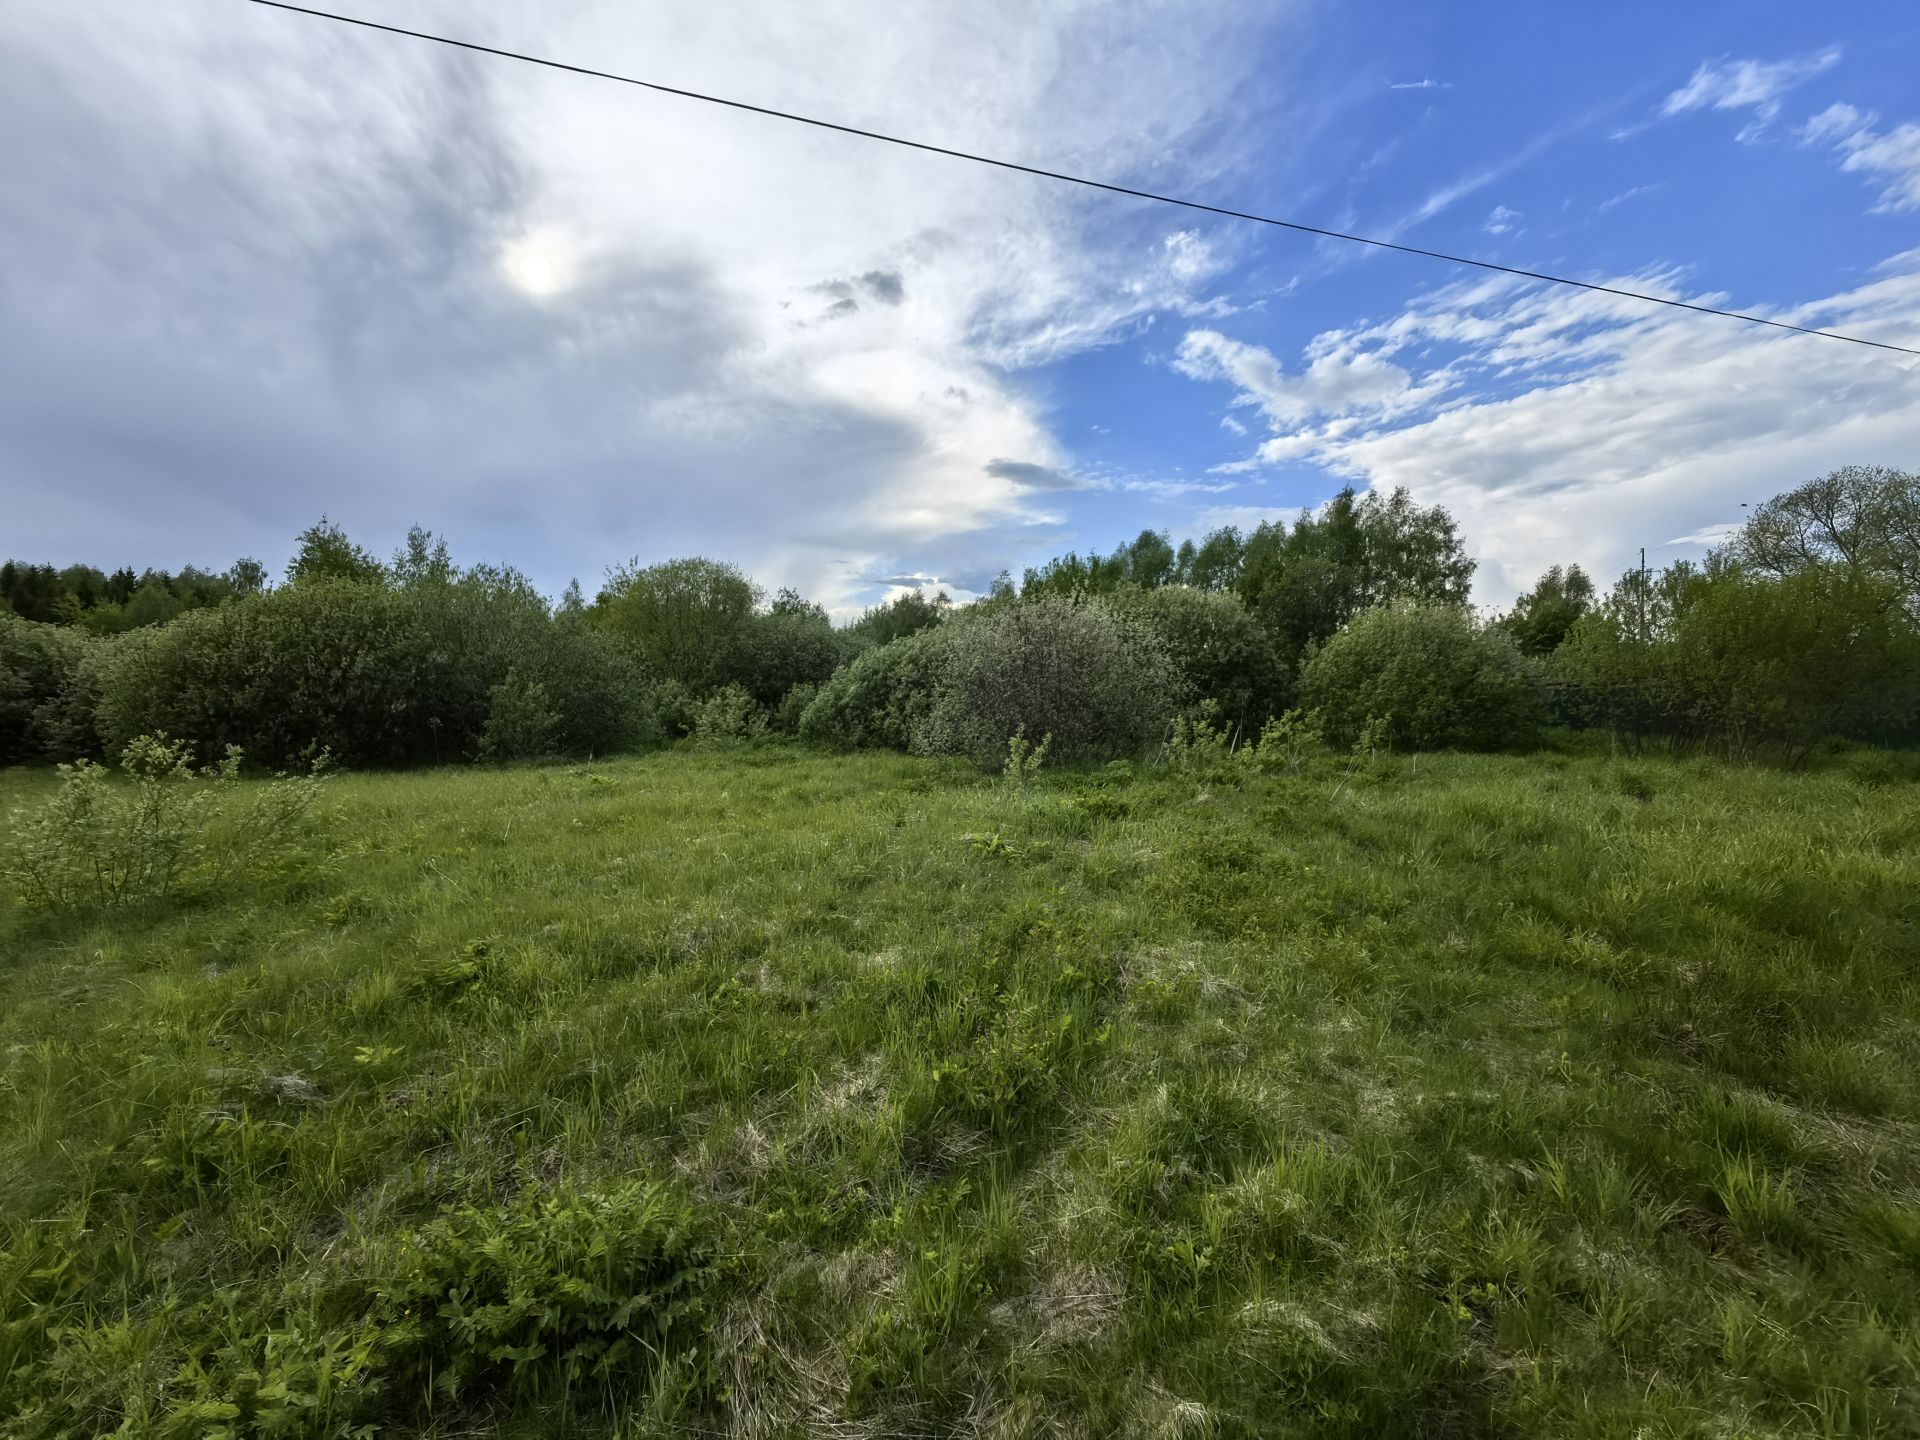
785,717
675,708
882,698
93,844
257,827
1099,685
1024,758
1200,742
728,716
1436,677
97,843
1287,744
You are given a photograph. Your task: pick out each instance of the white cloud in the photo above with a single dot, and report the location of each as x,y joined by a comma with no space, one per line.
1451,194
1501,220
1728,84
1707,536
1245,517
1188,255
1111,480
565,317
1631,194
1891,157
1598,424
1173,489
1232,426
1336,381
1838,123
1421,85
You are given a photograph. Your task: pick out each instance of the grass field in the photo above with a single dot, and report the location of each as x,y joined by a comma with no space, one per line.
765,1093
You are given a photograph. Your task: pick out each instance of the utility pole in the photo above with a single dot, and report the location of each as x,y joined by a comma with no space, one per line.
1643,594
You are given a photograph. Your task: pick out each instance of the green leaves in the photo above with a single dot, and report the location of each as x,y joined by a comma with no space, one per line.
1434,676
97,843
1098,686
681,615
521,725
548,1292
1748,661
377,674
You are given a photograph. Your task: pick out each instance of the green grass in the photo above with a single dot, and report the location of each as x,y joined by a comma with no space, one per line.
764,1093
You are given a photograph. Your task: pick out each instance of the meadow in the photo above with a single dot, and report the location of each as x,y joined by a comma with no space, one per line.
760,1092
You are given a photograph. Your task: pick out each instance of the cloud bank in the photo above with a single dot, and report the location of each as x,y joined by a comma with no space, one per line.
261,267
1566,426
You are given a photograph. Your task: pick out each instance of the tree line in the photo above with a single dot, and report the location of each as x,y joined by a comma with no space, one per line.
1354,619
109,604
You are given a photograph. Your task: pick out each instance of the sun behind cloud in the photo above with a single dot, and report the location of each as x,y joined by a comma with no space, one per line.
538,264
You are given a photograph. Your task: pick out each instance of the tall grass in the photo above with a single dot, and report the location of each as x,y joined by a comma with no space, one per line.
748,1091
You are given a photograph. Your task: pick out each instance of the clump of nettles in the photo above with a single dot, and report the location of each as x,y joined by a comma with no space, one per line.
1199,741
1024,758
1287,744
728,716
1202,743
95,842
570,1299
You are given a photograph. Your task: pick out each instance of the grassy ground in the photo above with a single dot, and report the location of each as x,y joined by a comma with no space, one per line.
1557,1095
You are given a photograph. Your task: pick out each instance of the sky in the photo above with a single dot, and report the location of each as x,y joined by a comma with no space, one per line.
257,267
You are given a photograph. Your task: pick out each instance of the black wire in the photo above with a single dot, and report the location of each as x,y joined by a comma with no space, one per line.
1082,180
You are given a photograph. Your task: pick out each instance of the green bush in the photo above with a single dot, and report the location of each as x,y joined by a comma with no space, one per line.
682,617
598,692
1743,660
883,699
47,694
1203,745
1432,674
1024,759
486,623
1287,744
675,709
477,627
1099,686
323,665
375,675
906,614
785,717
1200,743
1221,652
96,843
520,723
1542,617
771,654
727,716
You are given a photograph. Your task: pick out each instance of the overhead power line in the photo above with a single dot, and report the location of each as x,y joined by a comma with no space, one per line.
1081,180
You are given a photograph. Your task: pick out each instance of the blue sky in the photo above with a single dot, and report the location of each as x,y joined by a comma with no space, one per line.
1598,142
264,268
